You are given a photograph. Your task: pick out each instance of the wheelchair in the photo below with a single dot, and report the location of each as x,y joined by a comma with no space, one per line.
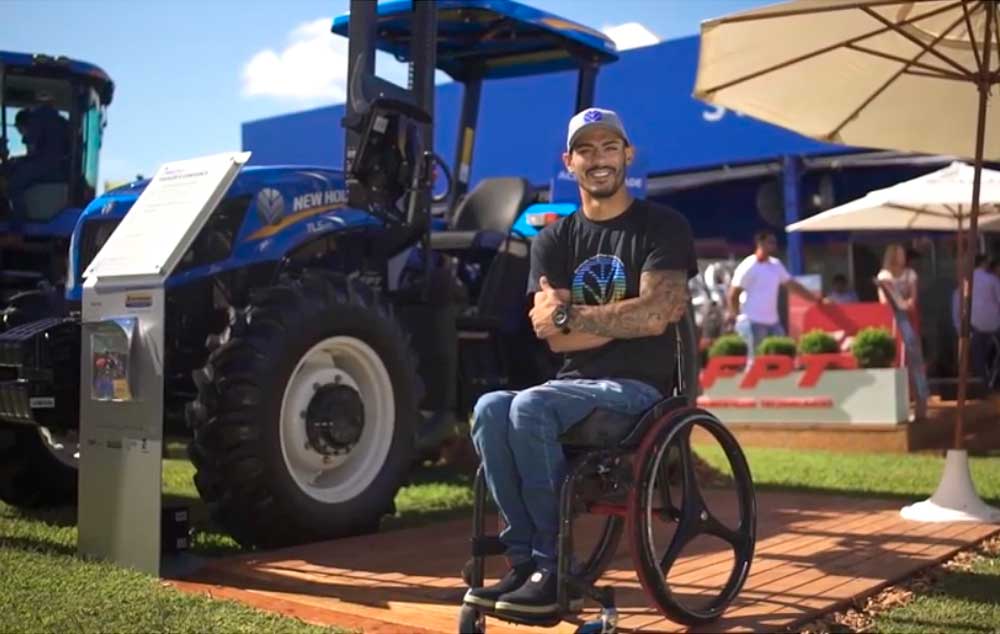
620,468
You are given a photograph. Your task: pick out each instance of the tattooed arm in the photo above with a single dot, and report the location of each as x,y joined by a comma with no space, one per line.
662,300
546,301
575,342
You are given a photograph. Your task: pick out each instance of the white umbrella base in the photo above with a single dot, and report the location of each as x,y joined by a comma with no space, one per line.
955,499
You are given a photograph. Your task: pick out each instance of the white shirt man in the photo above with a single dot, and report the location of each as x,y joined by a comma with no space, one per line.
754,293
760,280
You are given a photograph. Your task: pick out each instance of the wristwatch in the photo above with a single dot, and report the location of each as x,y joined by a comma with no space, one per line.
560,318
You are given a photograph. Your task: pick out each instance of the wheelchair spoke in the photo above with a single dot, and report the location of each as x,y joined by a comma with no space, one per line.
687,530
689,479
668,511
689,517
712,526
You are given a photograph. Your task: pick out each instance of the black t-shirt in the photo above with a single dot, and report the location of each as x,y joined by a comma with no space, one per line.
600,262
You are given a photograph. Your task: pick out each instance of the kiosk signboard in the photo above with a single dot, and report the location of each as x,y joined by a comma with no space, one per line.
121,408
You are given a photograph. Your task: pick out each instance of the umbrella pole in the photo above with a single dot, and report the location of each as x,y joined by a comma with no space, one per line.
955,499
967,266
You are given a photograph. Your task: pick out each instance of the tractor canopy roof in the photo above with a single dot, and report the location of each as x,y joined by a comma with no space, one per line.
59,67
492,39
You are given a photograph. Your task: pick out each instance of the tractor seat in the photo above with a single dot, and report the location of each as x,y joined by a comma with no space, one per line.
608,429
484,217
45,200
466,240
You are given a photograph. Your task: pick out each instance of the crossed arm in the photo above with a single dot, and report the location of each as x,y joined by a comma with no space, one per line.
663,299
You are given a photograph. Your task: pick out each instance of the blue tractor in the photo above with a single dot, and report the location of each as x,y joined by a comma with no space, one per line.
326,328
51,181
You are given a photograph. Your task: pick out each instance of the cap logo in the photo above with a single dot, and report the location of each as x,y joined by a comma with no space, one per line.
592,115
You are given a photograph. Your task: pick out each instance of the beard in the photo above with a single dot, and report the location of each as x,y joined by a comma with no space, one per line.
604,188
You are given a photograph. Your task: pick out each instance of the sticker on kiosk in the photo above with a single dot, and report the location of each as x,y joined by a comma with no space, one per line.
110,359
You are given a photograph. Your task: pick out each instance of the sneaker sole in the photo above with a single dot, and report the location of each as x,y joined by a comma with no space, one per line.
480,602
575,605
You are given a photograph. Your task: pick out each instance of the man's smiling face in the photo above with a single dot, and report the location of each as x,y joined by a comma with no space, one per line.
598,160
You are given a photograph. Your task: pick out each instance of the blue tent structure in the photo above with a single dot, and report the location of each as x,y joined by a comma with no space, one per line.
730,174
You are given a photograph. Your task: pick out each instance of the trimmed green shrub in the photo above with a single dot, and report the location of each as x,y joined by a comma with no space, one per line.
731,345
874,348
818,342
777,345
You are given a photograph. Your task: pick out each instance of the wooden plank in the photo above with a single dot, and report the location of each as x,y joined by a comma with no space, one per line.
293,607
768,551
814,553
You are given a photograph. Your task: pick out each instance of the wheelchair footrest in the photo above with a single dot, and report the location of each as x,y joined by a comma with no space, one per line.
488,546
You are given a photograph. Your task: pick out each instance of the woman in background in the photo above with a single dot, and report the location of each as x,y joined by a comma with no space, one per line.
902,280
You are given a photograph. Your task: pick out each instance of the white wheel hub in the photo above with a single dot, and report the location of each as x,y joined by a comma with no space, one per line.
350,362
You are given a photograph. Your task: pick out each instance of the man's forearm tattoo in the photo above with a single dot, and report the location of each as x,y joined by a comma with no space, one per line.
663,299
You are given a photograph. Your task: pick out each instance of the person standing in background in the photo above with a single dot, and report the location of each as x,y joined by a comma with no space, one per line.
902,280
984,318
753,293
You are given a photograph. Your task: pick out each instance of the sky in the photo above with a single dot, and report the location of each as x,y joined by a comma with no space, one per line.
187,73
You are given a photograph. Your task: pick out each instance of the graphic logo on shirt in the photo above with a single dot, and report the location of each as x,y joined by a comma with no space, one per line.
599,280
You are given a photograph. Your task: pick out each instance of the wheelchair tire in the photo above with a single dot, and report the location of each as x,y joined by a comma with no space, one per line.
471,621
693,518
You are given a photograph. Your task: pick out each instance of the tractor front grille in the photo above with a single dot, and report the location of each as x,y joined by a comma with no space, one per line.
89,246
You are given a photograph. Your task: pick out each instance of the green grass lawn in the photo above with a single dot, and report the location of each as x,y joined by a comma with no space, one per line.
963,602
44,587
905,476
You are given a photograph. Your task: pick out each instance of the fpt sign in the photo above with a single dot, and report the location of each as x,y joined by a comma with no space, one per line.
767,367
822,388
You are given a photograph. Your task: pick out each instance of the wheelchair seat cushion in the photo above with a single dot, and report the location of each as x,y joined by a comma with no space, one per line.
606,429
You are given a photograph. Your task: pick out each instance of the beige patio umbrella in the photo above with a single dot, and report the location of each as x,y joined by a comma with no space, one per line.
911,75
939,201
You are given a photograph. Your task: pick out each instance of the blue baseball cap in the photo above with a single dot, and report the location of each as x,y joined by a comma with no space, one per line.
591,118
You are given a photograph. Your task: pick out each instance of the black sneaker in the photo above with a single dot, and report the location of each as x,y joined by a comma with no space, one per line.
537,597
486,597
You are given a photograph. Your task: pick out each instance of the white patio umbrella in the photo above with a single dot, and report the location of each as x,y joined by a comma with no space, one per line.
911,75
939,201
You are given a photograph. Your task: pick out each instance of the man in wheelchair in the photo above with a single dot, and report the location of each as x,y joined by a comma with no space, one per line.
608,283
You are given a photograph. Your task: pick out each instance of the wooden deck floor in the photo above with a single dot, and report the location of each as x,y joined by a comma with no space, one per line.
814,554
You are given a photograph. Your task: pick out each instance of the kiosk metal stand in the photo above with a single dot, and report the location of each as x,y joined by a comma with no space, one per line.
122,356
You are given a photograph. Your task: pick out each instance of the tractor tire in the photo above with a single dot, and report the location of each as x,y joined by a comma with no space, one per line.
306,413
36,469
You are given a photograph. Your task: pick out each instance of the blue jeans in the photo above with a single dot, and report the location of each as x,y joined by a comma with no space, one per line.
753,333
516,435
981,347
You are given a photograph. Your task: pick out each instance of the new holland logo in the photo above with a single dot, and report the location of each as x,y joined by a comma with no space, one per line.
270,205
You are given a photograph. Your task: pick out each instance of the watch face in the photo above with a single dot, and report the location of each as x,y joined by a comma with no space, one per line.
560,317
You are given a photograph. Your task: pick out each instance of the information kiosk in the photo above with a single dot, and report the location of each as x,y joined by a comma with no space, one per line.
121,409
